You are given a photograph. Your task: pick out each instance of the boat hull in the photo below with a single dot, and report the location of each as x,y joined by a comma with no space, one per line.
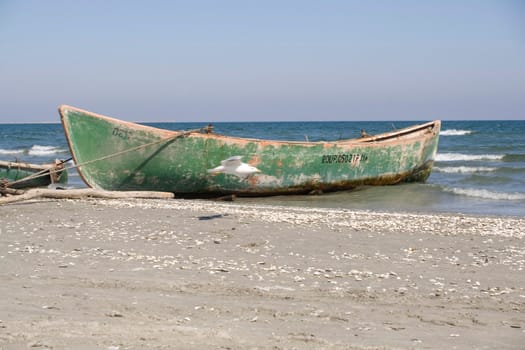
116,155
20,175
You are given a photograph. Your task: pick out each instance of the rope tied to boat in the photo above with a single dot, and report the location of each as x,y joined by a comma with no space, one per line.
58,167
53,172
207,129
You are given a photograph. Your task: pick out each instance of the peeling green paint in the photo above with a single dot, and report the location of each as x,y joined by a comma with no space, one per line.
165,160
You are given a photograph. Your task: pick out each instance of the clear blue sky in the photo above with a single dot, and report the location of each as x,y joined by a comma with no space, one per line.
263,60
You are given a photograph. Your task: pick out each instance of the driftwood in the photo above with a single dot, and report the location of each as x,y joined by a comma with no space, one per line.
81,193
6,191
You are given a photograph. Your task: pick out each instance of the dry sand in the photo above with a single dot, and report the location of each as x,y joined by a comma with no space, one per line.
178,274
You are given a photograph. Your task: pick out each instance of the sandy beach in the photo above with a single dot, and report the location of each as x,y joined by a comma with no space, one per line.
180,274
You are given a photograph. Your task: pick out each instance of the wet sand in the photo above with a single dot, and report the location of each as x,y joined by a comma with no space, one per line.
176,274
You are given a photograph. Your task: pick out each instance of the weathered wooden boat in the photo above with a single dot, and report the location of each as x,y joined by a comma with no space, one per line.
19,175
116,155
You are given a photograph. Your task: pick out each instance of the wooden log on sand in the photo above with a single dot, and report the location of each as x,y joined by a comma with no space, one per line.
82,193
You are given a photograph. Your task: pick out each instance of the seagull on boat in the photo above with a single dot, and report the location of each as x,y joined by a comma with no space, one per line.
234,166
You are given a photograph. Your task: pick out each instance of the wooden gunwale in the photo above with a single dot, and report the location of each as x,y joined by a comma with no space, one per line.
25,166
171,133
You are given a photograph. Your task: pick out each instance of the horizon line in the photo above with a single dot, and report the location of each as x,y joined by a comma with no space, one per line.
277,121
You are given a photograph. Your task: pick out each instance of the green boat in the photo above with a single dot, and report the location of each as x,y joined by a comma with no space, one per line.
20,175
112,154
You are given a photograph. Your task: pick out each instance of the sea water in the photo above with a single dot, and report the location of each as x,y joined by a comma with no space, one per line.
479,169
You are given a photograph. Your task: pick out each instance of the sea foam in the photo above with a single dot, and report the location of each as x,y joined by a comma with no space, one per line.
451,157
486,194
464,169
11,151
455,132
38,150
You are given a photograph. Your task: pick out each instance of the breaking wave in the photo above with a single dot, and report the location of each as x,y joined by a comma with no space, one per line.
451,157
35,150
486,194
11,151
38,150
455,132
464,169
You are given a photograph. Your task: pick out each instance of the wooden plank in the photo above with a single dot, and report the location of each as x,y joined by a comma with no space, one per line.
84,193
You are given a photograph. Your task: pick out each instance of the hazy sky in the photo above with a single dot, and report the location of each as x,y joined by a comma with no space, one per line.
263,60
